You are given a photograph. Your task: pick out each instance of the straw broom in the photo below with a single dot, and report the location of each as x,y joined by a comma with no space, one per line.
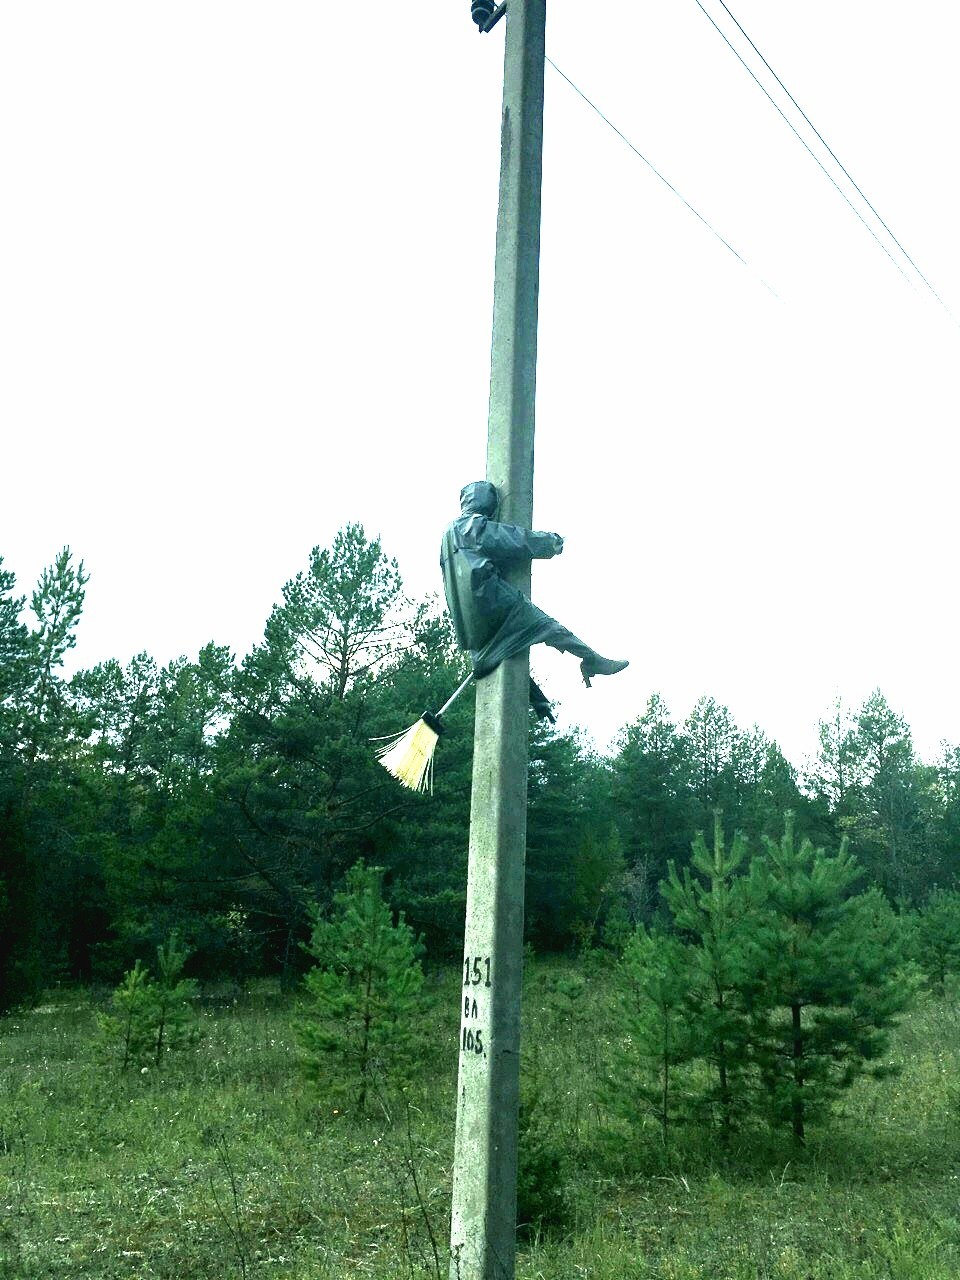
408,756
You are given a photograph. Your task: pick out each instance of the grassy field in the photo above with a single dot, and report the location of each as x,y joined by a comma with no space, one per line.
224,1165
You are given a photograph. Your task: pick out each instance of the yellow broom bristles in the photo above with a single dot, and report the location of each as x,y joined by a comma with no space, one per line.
410,757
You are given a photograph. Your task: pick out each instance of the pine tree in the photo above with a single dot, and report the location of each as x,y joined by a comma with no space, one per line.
302,794
57,603
153,1015
357,1024
934,937
174,1016
712,911
572,855
823,987
654,977
652,800
889,830
715,743
344,615
130,1025
39,856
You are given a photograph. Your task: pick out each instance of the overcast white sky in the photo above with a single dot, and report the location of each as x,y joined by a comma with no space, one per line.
246,259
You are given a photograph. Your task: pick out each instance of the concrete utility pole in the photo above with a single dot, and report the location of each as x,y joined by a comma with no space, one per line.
483,1226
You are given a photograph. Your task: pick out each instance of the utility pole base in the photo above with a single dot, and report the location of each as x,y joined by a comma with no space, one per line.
483,1227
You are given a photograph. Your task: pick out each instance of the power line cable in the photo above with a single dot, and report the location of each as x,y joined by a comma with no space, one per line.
650,165
810,152
833,154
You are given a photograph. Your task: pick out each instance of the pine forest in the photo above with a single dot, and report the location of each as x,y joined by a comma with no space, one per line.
230,967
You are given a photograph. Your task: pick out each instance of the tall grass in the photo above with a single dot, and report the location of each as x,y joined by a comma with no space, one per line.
224,1164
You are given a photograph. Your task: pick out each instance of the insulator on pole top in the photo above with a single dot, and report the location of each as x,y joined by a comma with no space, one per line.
481,11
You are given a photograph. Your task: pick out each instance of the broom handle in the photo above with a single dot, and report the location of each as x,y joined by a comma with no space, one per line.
455,695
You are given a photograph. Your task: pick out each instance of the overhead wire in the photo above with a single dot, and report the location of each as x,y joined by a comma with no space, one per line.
650,165
832,153
813,154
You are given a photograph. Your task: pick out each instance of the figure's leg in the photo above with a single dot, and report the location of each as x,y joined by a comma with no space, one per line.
592,664
541,703
523,625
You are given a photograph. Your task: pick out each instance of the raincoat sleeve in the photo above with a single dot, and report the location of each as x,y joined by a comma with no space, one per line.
507,544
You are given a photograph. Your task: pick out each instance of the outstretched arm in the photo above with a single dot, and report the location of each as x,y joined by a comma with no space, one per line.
507,544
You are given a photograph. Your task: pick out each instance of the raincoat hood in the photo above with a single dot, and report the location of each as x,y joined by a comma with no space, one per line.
478,498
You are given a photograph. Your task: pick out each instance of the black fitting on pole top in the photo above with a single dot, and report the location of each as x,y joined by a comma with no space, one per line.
486,13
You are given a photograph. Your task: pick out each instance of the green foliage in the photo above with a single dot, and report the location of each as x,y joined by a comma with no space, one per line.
574,860
934,937
655,979
669,780
173,1011
137,798
712,911
302,796
228,1160
652,802
358,1018
341,616
153,1016
881,797
823,977
597,876
714,738
131,1027
14,643
544,1165
38,862
56,603
423,844
783,983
